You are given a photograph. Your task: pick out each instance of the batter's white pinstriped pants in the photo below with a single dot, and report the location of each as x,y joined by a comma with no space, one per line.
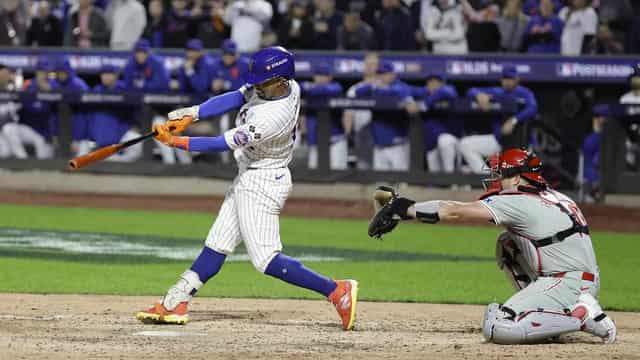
250,213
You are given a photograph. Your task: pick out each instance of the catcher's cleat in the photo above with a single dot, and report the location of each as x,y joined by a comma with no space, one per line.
345,298
158,314
594,321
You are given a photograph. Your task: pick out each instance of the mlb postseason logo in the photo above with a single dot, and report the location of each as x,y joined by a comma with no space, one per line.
585,70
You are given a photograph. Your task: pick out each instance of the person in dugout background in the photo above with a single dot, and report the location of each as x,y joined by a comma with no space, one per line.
68,80
112,123
591,152
145,72
389,128
195,75
38,125
441,129
8,109
476,147
357,122
229,72
323,86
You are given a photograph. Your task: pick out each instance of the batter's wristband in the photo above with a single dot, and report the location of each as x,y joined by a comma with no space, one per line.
180,142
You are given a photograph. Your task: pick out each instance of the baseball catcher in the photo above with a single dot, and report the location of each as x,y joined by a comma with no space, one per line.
546,251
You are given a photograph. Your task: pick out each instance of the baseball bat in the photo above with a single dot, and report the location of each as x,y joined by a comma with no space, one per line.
105,152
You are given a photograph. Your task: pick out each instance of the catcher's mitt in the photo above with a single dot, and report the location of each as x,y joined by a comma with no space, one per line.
390,210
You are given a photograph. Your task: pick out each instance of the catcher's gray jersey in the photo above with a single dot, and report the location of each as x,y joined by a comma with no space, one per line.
533,217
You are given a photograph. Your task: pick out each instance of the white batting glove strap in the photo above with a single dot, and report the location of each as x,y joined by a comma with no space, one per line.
245,90
178,114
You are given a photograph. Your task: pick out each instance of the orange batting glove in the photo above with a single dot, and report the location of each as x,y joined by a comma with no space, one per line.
179,125
163,135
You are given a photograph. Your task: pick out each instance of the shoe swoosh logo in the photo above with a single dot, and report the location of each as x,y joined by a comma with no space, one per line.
584,288
278,177
345,302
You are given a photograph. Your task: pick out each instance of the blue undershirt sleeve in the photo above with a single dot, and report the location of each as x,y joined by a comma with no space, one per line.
208,144
221,104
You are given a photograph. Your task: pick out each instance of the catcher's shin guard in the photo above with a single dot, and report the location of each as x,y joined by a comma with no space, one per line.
502,325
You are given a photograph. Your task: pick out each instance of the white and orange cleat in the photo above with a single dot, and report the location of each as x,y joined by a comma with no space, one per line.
345,298
158,314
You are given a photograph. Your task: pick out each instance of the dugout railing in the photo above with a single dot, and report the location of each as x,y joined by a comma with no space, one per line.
566,88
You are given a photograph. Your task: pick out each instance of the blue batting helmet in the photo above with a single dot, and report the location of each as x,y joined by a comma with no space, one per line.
270,63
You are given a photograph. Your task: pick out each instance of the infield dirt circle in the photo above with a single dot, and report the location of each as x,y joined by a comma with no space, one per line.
104,327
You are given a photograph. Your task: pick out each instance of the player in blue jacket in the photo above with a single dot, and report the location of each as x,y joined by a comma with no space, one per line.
230,69
197,72
389,128
38,125
441,129
591,150
145,71
112,123
68,80
475,148
229,72
323,86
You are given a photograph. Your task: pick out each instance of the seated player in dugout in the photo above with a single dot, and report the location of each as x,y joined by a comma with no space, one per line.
475,147
323,86
37,124
68,80
441,129
111,123
262,144
389,128
546,251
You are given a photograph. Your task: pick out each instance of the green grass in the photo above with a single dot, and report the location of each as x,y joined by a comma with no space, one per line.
423,281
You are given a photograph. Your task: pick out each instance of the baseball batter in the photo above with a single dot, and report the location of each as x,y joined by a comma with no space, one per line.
262,142
546,252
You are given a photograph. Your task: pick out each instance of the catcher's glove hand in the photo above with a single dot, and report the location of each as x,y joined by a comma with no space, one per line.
388,216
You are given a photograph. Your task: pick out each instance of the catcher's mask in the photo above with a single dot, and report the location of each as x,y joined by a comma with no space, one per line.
510,163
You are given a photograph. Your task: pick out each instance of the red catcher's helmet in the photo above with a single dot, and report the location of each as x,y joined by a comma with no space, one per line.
513,162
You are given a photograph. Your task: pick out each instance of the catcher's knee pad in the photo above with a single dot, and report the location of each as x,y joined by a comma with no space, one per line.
502,325
510,260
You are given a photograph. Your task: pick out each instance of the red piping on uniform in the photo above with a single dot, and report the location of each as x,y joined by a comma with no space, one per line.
554,285
536,311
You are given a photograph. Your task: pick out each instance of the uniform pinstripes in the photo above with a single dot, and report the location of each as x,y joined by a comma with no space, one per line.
269,126
251,209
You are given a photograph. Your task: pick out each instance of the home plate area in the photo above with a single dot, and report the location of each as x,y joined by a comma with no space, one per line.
92,326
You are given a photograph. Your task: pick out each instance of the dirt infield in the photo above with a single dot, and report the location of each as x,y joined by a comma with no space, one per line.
601,218
90,327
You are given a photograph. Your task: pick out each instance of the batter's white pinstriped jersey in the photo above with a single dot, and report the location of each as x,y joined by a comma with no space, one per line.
263,147
263,136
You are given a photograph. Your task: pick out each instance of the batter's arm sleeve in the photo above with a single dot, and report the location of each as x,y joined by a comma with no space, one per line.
208,144
221,104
